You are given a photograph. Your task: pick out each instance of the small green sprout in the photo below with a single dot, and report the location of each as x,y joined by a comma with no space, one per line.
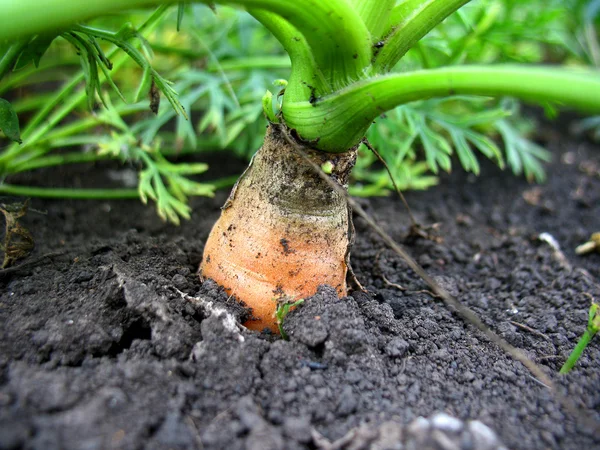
327,167
267,103
284,306
592,328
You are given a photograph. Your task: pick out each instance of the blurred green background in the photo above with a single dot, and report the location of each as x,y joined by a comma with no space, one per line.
215,65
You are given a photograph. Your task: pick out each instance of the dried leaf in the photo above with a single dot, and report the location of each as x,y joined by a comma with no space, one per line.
18,242
154,98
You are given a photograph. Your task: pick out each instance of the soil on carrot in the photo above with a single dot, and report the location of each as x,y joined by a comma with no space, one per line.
114,343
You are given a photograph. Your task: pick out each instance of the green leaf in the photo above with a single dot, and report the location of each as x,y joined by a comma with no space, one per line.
9,121
111,82
171,201
100,53
183,187
180,13
475,118
146,47
89,65
120,39
437,149
523,156
283,309
589,124
144,86
168,207
145,187
126,32
463,150
164,86
34,51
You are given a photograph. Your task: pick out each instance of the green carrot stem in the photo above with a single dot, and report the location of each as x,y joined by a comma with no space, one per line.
337,122
88,122
22,18
410,21
58,160
91,194
32,75
374,13
8,60
304,67
68,193
577,351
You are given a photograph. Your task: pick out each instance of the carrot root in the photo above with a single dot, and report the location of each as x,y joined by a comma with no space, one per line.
283,231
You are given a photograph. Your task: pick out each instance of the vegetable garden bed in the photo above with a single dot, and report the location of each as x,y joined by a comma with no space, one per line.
102,347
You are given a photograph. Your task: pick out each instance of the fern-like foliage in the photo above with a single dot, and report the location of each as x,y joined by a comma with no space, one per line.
423,137
215,69
168,184
165,183
489,31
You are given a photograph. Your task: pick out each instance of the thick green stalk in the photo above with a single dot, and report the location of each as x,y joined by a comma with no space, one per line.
411,20
305,74
339,121
374,14
339,39
27,17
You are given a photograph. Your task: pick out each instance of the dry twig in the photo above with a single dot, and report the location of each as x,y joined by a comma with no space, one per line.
531,330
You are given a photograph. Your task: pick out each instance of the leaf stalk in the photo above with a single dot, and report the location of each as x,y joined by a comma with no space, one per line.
339,121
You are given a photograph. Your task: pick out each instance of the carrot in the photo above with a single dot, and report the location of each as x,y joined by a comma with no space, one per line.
283,231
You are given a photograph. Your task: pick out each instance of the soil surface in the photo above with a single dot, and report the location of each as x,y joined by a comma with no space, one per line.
113,343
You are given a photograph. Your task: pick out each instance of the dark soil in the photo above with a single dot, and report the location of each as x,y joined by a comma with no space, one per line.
115,344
